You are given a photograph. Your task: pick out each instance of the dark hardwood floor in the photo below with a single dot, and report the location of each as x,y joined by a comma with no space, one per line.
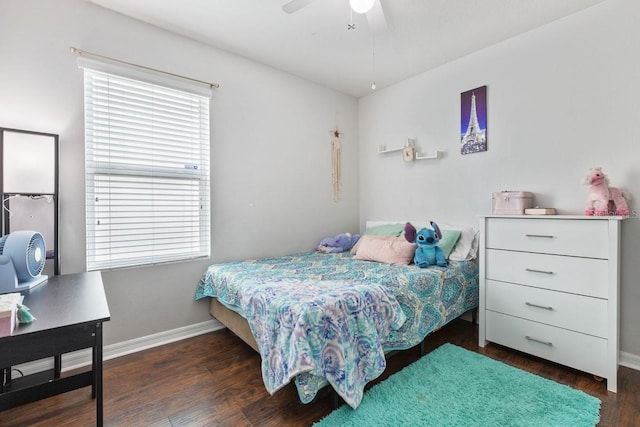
215,380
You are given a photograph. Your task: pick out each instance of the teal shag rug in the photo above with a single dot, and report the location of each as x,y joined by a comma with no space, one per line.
452,386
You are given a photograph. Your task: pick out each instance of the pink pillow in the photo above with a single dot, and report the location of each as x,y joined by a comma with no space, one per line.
395,251
355,247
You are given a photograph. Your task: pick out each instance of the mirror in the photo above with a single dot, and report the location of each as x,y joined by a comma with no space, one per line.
29,187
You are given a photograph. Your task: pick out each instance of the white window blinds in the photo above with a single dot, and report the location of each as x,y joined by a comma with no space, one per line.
147,172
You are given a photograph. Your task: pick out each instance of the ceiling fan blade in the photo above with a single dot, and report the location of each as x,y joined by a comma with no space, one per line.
295,5
375,18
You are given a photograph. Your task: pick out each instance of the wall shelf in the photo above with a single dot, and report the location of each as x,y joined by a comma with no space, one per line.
411,154
383,149
421,156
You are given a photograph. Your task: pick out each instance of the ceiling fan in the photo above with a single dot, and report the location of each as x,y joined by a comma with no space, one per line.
372,9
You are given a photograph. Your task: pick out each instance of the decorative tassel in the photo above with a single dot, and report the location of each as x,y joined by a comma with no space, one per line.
24,316
336,172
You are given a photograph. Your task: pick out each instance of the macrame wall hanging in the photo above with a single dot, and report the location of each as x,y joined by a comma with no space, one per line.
336,164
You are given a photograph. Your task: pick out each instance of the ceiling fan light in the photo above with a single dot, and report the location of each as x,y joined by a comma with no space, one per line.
361,6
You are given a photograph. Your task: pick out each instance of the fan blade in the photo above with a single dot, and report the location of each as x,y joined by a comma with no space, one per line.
375,19
295,5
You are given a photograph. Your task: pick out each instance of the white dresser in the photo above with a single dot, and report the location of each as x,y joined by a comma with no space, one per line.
549,286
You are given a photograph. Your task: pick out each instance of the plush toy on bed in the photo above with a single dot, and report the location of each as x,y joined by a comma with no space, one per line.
341,243
428,252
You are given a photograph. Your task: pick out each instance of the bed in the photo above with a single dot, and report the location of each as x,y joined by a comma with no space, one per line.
321,318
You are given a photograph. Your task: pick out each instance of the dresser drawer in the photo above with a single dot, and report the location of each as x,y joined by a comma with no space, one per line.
584,276
583,352
585,238
574,312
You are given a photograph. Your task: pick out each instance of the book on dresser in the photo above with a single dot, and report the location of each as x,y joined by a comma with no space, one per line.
549,286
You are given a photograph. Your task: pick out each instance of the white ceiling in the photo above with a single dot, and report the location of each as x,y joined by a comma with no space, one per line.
314,42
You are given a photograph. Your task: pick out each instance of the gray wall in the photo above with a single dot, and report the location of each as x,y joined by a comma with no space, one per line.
561,99
271,163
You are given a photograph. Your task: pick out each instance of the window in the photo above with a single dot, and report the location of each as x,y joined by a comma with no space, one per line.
147,171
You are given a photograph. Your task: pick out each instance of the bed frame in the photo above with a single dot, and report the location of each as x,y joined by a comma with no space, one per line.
239,326
233,321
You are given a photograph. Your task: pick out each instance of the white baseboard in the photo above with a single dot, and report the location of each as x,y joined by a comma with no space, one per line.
630,360
79,359
138,344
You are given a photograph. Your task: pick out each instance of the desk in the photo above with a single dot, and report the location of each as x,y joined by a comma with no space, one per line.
69,312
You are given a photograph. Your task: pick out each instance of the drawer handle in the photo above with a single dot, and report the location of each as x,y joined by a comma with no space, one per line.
533,270
546,236
547,343
546,307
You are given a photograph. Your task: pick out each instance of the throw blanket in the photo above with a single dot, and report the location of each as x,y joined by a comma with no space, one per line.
330,329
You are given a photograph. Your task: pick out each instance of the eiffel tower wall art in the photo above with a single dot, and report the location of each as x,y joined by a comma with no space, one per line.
473,120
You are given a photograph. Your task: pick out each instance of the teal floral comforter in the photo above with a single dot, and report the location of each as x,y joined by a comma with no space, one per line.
332,330
312,282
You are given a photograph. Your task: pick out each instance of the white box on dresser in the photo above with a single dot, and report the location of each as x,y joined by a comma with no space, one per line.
549,286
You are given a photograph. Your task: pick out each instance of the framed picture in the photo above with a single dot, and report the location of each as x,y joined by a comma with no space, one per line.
408,154
473,120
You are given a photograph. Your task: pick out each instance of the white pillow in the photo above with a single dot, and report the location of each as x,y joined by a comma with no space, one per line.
467,246
465,249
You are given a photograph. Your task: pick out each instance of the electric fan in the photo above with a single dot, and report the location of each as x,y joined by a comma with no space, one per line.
22,258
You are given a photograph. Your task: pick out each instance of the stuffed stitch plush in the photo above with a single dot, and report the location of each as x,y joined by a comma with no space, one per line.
341,243
600,196
428,252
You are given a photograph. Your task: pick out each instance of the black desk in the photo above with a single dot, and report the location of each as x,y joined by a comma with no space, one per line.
69,312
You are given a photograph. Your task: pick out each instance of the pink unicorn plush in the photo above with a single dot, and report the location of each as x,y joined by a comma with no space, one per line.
604,200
